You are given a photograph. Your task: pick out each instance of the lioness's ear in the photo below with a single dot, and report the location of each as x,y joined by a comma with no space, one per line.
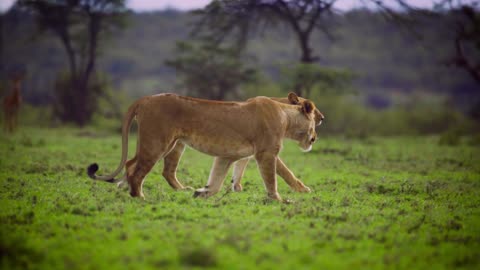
293,98
307,106
318,117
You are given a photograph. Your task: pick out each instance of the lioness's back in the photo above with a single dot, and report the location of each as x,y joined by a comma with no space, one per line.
208,126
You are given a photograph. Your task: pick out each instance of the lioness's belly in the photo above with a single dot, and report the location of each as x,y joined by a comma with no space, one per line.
220,147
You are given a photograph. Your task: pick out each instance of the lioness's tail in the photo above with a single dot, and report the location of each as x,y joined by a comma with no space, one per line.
127,121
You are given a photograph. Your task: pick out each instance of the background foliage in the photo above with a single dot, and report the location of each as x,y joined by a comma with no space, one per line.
388,60
394,76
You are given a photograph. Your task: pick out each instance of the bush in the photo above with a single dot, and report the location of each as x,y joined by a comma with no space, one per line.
348,116
450,137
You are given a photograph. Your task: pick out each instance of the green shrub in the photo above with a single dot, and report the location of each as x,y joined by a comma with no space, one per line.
450,137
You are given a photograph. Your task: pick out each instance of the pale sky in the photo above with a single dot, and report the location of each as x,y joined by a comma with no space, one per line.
149,5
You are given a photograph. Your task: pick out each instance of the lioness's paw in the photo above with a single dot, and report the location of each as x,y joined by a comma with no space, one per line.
187,188
237,187
288,201
304,189
275,196
201,192
137,194
300,187
122,184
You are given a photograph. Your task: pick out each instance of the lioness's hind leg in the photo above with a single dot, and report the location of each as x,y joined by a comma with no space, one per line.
130,165
140,166
170,164
238,171
141,169
129,169
267,166
215,180
148,153
122,181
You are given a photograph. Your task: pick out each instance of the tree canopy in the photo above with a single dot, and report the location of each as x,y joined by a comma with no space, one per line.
79,25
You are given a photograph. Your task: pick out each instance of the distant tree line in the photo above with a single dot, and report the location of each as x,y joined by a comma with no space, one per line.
303,41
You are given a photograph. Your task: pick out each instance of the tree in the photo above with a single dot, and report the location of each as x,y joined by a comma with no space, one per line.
221,19
461,21
467,34
79,26
307,76
210,71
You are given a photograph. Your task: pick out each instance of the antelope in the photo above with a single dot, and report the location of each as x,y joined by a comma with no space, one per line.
11,105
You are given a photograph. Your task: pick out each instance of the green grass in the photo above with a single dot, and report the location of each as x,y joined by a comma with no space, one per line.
377,203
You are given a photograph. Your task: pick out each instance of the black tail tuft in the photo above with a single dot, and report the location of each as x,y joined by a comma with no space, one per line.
92,169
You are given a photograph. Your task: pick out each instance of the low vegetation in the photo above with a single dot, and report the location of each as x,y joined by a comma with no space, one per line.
399,202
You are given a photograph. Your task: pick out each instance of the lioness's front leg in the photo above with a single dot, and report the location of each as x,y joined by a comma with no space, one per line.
267,165
281,168
215,180
170,164
290,178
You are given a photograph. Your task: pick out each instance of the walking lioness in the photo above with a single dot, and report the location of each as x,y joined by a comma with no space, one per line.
230,131
170,161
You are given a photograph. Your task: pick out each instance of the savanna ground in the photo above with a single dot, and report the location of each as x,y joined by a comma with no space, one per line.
404,202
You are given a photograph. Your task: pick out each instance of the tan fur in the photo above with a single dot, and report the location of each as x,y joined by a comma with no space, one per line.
230,131
172,159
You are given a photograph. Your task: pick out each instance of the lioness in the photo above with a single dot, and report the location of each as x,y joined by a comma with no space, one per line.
234,131
173,158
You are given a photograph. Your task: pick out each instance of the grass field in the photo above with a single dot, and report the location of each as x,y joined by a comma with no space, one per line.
402,203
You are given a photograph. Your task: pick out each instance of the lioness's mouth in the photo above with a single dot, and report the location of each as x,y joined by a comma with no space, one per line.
306,149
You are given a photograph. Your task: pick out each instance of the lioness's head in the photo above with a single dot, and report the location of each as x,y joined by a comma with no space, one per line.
310,117
295,100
